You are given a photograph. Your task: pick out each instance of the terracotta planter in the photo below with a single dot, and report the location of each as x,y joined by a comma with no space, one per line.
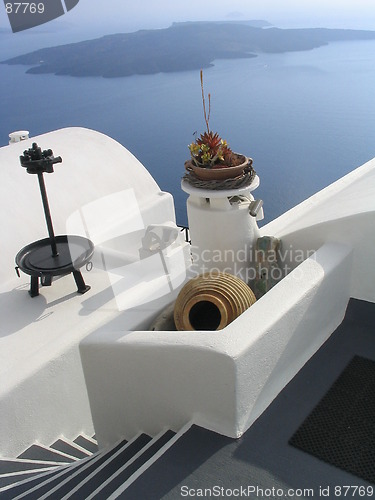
219,173
211,301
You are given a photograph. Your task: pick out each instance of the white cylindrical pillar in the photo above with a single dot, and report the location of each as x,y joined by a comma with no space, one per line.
222,231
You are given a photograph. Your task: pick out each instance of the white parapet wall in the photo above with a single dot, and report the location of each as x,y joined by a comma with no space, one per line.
139,380
343,212
225,379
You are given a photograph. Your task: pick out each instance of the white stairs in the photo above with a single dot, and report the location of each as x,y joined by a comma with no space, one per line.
78,470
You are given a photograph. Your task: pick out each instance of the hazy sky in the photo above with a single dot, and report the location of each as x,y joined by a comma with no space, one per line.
124,15
287,12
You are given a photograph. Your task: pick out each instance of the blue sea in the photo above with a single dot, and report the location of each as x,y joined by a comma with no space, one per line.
306,118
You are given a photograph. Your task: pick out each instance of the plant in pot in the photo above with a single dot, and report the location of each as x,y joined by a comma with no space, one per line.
211,157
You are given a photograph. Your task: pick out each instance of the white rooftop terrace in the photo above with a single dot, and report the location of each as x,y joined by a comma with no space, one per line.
138,379
100,191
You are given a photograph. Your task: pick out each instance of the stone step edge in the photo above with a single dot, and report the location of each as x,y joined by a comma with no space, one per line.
89,438
56,452
147,464
12,478
62,466
90,460
28,471
68,469
129,462
51,465
36,476
31,461
72,444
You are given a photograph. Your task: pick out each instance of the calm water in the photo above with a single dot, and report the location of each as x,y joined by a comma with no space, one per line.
306,118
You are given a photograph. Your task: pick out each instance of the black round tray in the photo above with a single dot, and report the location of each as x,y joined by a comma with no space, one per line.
36,259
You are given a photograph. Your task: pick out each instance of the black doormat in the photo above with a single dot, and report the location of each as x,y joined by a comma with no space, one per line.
341,428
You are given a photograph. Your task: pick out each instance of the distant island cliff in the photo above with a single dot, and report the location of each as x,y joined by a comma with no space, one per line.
181,47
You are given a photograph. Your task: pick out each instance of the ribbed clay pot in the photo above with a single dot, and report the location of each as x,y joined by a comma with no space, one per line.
211,301
219,173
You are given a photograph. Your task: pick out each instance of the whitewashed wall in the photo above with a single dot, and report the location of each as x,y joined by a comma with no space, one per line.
224,380
101,188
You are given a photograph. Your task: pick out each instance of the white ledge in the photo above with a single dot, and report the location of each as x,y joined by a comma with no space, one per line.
223,379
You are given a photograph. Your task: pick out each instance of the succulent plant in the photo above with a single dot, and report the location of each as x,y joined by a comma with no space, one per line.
210,150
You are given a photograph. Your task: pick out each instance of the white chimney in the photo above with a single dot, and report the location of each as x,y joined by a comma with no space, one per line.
18,136
223,228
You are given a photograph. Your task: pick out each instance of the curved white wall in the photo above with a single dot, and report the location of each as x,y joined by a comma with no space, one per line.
100,190
224,380
94,166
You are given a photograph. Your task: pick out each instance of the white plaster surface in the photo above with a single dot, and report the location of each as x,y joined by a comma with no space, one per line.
101,191
343,212
224,380
140,380
220,231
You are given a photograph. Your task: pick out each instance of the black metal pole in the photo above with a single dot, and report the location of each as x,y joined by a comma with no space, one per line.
47,213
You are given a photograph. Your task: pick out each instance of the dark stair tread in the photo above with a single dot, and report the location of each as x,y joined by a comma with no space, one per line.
125,474
70,449
20,487
63,479
8,479
7,466
49,483
85,443
92,476
74,474
38,452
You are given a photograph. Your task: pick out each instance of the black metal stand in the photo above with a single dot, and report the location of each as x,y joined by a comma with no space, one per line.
34,286
51,256
47,281
80,282
47,214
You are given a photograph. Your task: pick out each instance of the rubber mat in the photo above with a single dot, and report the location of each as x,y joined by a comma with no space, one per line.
341,428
